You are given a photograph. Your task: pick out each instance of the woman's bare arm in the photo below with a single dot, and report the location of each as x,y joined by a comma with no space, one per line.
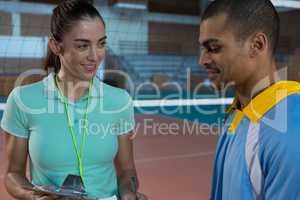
127,177
15,179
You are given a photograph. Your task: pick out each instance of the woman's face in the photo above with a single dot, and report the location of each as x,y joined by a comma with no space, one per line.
83,49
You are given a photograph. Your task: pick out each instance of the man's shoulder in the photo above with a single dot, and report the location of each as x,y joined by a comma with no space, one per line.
283,118
294,98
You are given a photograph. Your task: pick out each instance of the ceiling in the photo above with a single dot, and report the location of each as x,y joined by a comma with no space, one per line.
190,7
184,7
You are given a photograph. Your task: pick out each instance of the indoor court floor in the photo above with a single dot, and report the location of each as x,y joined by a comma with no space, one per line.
172,163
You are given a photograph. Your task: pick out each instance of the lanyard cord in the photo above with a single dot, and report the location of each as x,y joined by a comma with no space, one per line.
79,154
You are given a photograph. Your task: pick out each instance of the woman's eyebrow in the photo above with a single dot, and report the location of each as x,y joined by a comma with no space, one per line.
87,41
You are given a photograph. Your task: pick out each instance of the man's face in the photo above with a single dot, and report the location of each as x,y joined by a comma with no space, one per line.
225,58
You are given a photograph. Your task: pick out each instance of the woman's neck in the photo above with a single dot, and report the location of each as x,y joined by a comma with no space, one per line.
71,87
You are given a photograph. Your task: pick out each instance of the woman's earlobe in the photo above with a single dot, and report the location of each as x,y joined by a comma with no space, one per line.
54,46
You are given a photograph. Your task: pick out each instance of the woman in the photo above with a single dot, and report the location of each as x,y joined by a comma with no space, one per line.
70,123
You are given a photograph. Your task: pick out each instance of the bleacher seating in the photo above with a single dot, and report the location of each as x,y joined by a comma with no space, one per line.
145,67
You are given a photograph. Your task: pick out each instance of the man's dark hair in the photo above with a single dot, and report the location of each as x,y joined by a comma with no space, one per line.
246,17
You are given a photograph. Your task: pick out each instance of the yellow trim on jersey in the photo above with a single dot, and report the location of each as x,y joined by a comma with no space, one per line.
263,102
233,106
235,121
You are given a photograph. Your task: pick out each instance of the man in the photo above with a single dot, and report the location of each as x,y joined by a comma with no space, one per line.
258,154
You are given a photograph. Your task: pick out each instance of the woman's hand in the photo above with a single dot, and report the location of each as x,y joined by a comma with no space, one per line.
133,196
32,195
38,196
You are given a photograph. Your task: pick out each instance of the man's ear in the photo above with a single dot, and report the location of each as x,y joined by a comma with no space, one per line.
54,46
258,44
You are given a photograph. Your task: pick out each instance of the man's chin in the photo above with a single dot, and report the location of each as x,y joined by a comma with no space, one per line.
216,83
220,85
